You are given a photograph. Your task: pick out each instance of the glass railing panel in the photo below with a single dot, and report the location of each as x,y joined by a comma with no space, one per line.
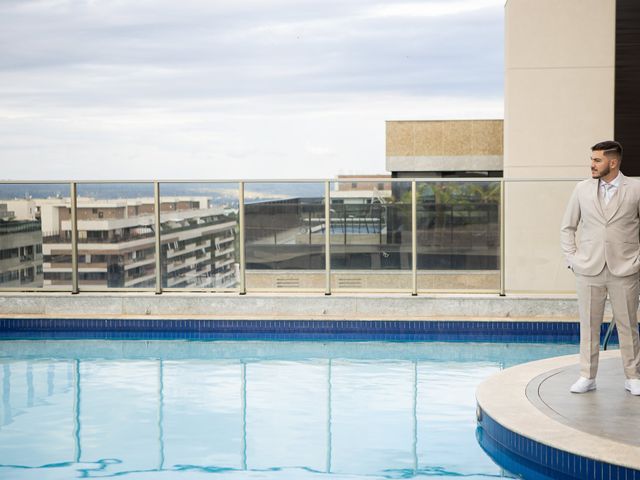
116,236
458,235
199,238
284,236
371,235
35,236
533,258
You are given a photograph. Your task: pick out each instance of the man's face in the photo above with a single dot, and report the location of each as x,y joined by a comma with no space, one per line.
600,164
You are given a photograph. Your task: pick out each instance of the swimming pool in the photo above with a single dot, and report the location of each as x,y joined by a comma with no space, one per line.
143,409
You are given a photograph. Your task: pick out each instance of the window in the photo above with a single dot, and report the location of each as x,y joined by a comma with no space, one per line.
9,276
8,253
65,276
92,276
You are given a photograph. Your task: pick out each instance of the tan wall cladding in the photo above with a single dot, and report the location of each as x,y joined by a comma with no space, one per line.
533,259
559,33
559,85
559,100
444,138
548,134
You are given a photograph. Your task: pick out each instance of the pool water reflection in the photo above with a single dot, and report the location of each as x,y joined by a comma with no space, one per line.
249,409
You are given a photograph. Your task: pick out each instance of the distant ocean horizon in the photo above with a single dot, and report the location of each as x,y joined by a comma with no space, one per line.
219,192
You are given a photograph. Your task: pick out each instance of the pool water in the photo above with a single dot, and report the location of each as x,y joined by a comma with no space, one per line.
247,409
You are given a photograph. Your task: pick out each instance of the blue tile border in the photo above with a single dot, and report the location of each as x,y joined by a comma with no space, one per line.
400,330
531,459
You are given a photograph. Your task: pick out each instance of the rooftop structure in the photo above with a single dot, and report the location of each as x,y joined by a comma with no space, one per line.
444,148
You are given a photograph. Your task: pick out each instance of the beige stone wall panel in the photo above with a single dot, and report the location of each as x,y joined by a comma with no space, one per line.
456,138
559,100
444,138
559,33
487,137
428,138
534,262
554,116
399,138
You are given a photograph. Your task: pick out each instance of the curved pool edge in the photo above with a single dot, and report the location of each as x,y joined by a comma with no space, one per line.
512,427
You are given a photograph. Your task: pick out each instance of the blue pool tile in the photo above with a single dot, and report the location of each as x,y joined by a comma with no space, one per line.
550,461
396,330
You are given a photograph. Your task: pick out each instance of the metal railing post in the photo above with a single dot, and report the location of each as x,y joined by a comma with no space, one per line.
502,238
414,239
241,225
156,200
74,238
327,238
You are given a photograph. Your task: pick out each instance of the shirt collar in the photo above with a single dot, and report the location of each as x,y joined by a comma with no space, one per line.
615,182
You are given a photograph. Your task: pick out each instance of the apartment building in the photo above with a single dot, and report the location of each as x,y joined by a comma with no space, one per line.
116,242
20,251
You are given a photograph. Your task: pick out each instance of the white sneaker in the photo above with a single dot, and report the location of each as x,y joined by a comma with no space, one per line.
583,385
633,385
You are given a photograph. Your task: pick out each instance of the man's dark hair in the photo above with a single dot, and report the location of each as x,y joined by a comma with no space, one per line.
610,148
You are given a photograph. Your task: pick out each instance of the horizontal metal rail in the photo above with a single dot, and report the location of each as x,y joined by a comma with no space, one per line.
321,181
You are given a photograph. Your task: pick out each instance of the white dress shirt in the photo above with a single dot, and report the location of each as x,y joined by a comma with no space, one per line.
608,190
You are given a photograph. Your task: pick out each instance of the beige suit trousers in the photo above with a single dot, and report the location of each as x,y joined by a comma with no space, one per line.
592,294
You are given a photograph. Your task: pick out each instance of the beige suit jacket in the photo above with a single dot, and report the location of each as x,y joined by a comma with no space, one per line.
612,239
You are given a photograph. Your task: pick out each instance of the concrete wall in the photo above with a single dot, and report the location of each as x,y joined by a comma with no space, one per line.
228,306
559,100
443,145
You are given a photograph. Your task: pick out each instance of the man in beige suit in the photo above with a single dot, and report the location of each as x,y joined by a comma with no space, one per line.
605,211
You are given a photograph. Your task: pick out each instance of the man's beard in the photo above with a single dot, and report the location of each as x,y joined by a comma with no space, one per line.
604,172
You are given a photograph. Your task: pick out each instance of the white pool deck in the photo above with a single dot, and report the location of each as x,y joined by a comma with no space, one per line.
533,400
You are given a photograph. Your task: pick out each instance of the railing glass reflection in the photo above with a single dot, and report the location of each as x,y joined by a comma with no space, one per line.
199,235
371,235
116,236
288,238
284,236
458,235
35,236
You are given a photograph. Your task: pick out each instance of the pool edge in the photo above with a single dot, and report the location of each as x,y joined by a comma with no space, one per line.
508,417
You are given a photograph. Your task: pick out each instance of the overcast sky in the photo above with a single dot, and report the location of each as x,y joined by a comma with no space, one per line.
128,89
